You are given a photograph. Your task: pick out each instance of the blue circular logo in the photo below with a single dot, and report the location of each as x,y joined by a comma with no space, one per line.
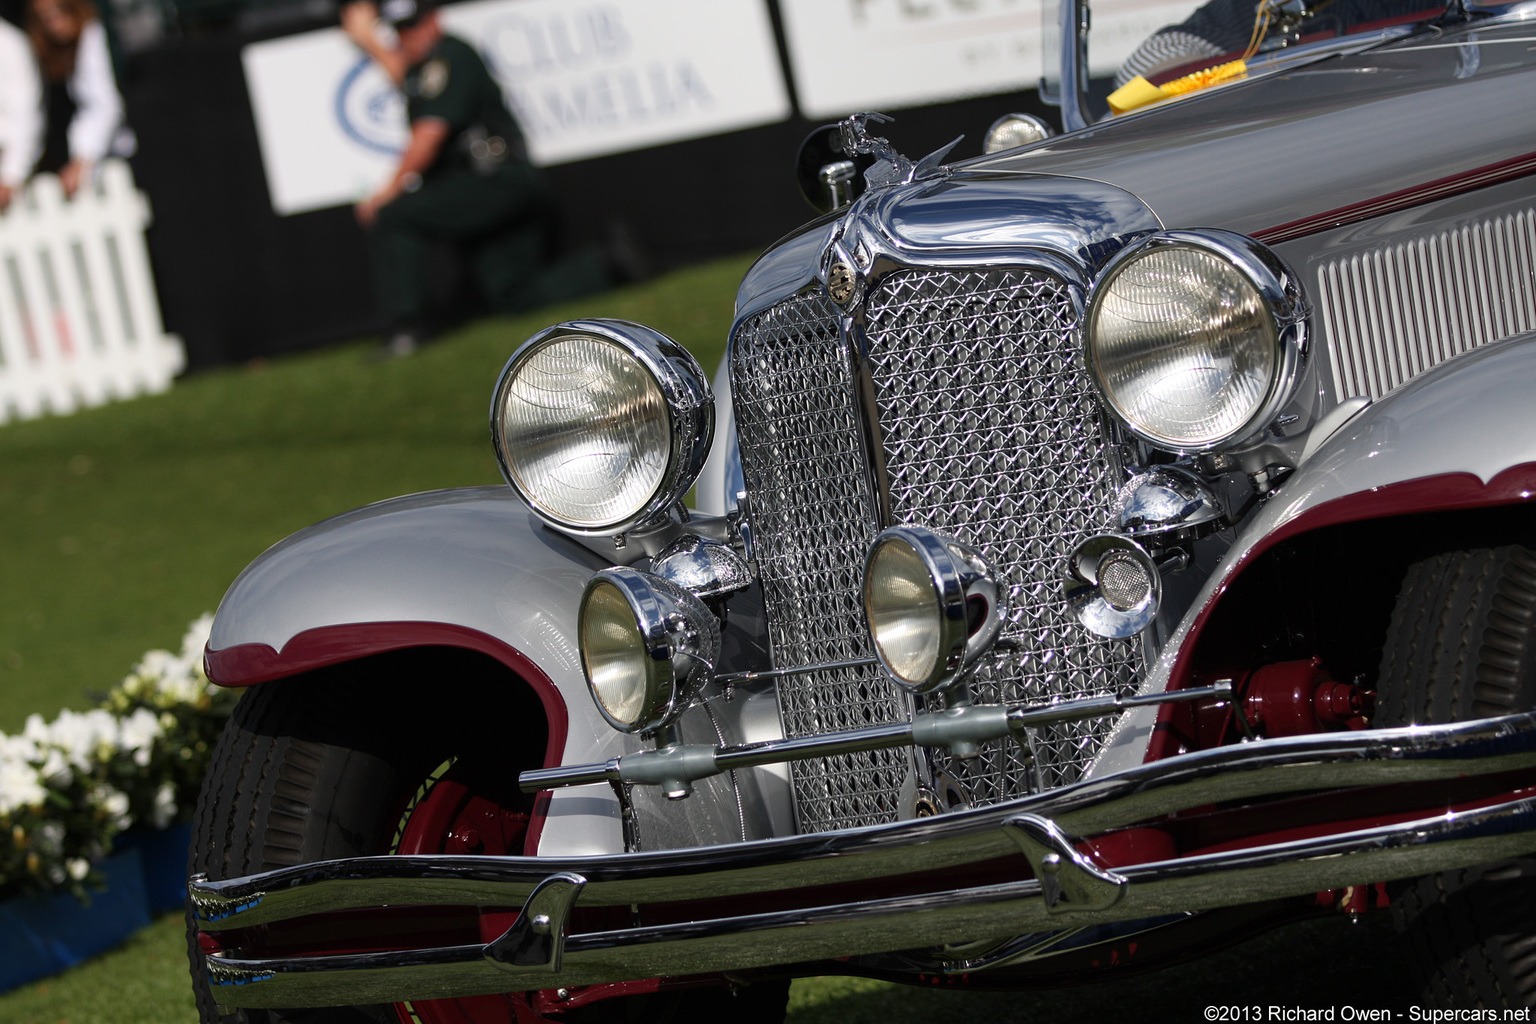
370,110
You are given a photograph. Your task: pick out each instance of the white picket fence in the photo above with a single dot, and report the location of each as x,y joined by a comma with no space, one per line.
79,320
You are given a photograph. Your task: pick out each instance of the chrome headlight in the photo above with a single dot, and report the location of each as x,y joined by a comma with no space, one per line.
601,425
931,606
1013,130
1195,338
647,645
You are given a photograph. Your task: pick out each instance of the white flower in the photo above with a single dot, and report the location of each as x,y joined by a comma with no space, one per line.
20,785
114,803
196,639
85,737
137,735
50,837
78,868
164,810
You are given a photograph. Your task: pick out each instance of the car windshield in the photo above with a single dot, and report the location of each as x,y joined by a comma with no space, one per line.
1142,53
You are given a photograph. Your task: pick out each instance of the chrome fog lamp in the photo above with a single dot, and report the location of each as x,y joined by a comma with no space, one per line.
931,606
1195,338
647,646
1165,505
601,425
1013,130
1113,586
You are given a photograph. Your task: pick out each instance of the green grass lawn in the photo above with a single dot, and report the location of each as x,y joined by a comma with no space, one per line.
125,522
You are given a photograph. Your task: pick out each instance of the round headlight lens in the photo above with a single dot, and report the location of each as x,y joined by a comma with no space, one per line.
1013,130
614,656
906,620
1183,345
585,432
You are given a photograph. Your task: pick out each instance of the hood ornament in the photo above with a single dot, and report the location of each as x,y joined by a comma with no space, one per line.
890,167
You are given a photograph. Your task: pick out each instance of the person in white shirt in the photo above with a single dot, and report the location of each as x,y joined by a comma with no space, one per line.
71,48
21,112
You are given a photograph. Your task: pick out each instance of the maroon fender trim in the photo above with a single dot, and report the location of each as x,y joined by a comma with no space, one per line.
1448,492
249,664
1403,199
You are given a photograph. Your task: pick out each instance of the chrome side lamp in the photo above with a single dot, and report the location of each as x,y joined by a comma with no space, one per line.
647,646
1168,505
931,606
1113,586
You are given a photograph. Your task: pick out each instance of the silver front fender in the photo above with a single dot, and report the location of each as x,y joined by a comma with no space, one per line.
1461,436
466,567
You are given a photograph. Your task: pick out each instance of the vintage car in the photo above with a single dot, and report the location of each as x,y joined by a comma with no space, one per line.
1100,548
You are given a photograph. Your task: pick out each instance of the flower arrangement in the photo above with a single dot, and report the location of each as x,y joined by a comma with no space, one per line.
70,786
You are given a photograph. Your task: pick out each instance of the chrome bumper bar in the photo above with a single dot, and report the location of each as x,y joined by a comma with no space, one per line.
1057,886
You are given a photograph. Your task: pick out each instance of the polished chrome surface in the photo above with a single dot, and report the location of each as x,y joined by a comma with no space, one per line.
1112,586
1346,129
537,938
959,729
988,430
1247,771
1468,419
991,432
706,567
685,387
1014,130
1041,828
680,641
813,515
1279,289
1400,308
966,220
960,586
1167,504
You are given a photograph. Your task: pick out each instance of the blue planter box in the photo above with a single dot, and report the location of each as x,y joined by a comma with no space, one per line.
42,935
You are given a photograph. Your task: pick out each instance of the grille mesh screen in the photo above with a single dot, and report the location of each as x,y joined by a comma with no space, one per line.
812,519
990,433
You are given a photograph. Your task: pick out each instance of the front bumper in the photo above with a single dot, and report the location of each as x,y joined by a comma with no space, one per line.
1280,818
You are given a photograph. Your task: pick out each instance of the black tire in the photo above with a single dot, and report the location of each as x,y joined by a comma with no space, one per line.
303,772
1461,646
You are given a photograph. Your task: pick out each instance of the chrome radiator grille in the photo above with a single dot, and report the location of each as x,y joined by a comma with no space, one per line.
990,432
812,519
1391,313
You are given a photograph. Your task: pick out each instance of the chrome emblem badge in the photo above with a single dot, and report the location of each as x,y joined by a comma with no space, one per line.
840,283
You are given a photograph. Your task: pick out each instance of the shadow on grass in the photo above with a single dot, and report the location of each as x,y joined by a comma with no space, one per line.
1317,965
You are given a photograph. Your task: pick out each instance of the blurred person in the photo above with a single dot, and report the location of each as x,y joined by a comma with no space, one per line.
21,112
84,111
464,177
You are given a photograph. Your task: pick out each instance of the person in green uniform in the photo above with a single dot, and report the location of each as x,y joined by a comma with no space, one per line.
464,177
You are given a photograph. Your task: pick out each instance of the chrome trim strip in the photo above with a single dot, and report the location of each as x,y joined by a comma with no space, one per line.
1242,772
961,727
1426,845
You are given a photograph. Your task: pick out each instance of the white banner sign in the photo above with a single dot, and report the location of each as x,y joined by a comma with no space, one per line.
849,55
584,78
